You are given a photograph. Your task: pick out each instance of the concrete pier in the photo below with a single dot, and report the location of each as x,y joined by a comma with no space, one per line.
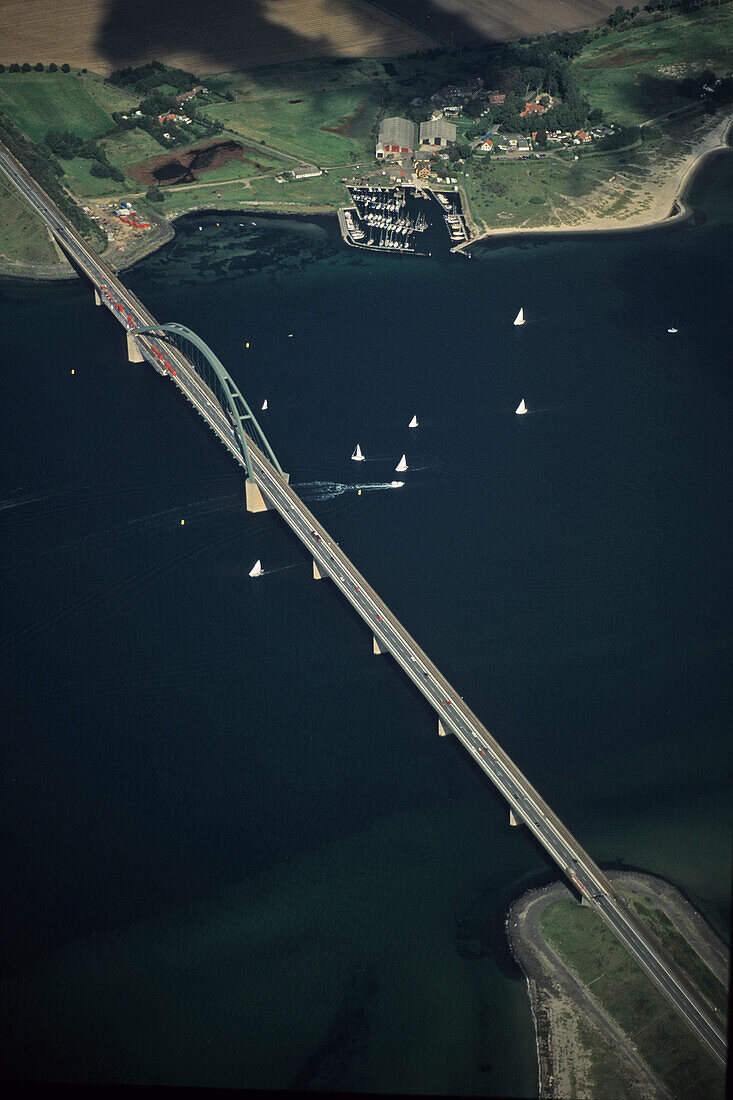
134,355
512,819
441,729
317,575
97,299
376,648
255,500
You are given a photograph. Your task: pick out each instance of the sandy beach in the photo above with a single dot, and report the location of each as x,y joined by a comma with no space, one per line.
660,202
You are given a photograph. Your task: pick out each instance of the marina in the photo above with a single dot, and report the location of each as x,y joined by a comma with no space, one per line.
405,219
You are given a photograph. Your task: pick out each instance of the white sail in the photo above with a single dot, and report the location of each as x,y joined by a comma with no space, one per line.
413,423
256,570
264,404
401,465
521,408
519,319
357,455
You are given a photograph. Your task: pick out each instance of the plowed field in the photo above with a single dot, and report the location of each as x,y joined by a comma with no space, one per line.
103,35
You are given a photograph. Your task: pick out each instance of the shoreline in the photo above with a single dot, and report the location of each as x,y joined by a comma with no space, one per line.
670,198
668,207
561,1006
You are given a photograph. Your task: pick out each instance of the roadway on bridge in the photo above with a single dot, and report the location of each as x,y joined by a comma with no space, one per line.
528,806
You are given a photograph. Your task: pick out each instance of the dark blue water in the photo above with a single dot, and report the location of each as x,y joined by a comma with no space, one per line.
236,853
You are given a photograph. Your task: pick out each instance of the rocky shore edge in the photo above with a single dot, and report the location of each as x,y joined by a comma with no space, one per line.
560,1005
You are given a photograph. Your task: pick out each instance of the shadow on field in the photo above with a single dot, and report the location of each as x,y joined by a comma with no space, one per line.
231,34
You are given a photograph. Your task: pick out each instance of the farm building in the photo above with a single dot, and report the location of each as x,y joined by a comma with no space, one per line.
396,138
305,172
437,132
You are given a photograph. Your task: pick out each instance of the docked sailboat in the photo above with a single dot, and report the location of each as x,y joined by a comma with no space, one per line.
401,465
357,455
521,408
256,570
264,405
519,319
413,423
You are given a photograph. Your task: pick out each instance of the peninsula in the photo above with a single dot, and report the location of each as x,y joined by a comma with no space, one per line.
600,1027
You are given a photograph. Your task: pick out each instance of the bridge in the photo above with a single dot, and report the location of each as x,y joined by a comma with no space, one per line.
191,366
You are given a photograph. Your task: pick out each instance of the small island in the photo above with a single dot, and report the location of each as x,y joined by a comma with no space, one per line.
602,1028
592,129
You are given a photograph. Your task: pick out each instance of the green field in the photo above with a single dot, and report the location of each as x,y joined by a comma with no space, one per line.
39,102
78,179
23,236
621,987
109,96
322,192
297,123
131,146
508,193
632,74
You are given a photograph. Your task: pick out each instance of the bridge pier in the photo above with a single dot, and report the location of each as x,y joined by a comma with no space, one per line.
134,355
442,732
376,648
317,574
512,819
97,299
257,502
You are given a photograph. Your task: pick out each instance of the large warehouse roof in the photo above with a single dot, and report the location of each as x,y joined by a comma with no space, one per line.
437,128
397,131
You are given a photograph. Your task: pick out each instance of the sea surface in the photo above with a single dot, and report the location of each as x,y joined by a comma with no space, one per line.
235,851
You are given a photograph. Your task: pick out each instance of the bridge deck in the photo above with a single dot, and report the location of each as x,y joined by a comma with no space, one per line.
456,717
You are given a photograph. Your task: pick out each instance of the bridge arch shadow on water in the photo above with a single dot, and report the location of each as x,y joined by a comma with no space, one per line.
220,384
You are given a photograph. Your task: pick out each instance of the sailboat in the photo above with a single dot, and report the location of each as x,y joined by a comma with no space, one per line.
396,484
521,408
256,570
264,404
401,465
671,330
413,423
519,319
357,455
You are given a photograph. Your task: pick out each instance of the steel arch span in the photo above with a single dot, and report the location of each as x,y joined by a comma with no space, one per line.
238,408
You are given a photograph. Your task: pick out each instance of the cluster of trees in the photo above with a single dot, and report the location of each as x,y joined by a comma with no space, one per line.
44,168
67,145
39,67
147,77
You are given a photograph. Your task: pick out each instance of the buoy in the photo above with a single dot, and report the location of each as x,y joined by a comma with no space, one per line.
247,344
359,493
182,522
73,371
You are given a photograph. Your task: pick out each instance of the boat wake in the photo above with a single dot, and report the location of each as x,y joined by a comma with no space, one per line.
329,490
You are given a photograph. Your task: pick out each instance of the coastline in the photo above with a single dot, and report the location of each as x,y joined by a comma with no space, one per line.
562,1008
668,205
668,208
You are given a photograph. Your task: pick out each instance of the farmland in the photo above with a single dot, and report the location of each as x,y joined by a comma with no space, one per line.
39,102
468,22
632,74
232,34
330,127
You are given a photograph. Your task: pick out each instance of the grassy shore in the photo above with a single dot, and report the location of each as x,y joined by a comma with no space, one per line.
603,1028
